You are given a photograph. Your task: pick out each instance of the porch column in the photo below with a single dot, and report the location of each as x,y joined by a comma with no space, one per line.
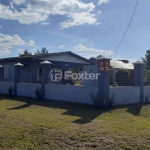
16,80
1,72
45,65
139,78
103,82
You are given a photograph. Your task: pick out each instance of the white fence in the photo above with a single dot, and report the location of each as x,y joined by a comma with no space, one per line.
78,94
4,87
126,95
147,92
27,89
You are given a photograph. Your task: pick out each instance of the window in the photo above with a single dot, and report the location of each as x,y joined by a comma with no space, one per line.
5,72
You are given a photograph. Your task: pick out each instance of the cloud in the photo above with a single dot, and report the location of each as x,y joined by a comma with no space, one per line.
103,1
78,19
11,5
30,43
131,60
0,27
18,2
36,11
45,23
89,52
20,51
99,11
25,16
61,46
8,42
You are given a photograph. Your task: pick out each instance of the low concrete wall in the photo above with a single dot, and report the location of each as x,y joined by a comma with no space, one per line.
126,95
27,89
4,87
78,94
147,92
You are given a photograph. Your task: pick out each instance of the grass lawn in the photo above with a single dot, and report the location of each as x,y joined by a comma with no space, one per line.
26,124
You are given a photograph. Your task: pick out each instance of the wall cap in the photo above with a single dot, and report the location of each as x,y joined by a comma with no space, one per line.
138,63
46,63
19,65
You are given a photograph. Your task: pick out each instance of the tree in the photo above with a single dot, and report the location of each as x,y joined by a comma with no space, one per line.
43,51
146,60
25,53
99,56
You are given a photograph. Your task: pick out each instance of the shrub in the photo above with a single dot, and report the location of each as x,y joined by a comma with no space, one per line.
147,76
10,91
38,93
127,72
112,100
115,84
94,98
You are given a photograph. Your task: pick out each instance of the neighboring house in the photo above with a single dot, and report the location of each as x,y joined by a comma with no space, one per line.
114,66
31,71
117,64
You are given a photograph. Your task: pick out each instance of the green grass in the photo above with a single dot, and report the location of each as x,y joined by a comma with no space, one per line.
26,124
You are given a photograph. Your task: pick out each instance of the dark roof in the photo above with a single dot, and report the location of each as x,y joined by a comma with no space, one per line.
33,57
93,60
16,59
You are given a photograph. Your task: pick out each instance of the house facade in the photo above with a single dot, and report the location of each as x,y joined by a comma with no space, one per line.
31,71
27,74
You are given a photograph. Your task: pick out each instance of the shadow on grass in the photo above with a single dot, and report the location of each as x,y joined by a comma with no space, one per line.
20,107
135,109
86,113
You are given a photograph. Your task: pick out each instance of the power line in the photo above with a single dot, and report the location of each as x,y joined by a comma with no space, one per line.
126,29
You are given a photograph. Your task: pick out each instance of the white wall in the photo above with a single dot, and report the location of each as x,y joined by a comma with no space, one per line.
90,69
147,92
78,94
4,87
27,89
126,95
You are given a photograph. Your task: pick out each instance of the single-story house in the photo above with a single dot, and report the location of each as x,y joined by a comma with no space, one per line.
31,71
65,61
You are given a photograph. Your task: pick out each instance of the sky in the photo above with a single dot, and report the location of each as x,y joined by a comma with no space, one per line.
85,27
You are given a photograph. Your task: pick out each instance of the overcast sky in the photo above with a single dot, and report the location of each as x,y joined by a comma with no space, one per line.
85,27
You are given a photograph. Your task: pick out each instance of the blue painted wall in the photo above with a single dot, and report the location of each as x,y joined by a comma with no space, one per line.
11,71
28,73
